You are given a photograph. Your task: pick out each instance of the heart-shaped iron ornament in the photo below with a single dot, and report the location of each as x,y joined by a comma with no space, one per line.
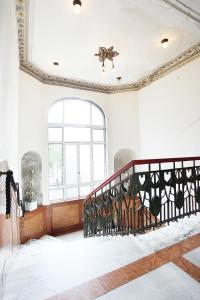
155,206
179,201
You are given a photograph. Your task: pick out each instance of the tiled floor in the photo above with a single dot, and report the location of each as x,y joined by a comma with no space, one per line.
71,237
194,257
70,267
172,257
165,283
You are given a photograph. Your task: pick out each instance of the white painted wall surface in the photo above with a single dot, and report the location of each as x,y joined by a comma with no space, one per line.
8,116
169,114
123,123
121,112
9,67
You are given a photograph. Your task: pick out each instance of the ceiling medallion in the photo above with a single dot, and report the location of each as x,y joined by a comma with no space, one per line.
28,67
104,54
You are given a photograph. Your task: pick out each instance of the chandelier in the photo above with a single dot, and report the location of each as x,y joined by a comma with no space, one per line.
104,54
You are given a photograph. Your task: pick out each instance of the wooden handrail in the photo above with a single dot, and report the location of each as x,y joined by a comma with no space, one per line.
135,163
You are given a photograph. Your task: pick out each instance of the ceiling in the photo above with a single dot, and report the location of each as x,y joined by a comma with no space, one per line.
53,32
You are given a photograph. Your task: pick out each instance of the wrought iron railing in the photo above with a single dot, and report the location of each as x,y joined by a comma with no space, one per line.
142,195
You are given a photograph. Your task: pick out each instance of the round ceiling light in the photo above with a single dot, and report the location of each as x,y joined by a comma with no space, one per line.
77,6
164,42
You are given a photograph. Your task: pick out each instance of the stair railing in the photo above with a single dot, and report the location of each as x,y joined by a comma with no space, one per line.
142,195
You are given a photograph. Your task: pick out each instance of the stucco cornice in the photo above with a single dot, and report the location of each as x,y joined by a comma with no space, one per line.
45,78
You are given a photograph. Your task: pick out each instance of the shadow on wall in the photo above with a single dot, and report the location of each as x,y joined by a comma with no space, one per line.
122,157
31,177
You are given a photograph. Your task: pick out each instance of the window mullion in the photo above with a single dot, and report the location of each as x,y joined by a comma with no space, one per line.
55,125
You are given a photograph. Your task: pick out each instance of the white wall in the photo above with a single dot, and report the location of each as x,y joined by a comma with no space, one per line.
8,118
8,84
169,114
123,123
121,113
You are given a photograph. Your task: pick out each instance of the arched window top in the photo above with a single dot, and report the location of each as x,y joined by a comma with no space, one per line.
76,112
77,148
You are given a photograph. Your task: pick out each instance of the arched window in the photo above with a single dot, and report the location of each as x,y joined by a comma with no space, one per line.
77,148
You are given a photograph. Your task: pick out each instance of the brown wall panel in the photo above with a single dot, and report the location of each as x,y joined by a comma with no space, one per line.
48,219
32,225
53,219
65,216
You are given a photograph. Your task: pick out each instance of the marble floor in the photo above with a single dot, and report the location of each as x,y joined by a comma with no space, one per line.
71,237
165,283
194,257
68,267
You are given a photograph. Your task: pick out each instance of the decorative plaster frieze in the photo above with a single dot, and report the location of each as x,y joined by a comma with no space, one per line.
31,69
172,65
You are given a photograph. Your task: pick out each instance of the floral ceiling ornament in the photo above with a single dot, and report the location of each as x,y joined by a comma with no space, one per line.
105,53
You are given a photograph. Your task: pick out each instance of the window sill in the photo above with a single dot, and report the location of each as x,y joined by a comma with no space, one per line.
65,200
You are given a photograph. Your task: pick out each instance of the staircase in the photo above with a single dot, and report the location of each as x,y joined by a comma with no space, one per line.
143,195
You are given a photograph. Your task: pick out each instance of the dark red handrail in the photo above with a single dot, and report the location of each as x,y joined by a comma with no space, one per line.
139,162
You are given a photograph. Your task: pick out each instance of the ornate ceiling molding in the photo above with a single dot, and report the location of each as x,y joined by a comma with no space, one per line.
184,9
28,67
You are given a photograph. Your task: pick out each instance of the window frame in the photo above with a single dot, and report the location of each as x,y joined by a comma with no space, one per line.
62,125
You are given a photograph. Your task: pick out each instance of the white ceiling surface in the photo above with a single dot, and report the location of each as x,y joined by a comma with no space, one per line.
192,4
134,27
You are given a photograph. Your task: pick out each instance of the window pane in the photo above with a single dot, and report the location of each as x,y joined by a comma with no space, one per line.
71,193
55,164
85,190
97,116
95,185
72,134
56,194
56,113
85,163
98,135
77,112
71,170
99,161
55,134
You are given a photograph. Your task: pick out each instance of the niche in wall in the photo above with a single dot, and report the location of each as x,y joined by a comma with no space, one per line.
122,157
31,166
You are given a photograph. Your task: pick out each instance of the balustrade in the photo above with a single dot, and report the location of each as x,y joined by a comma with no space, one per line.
143,195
